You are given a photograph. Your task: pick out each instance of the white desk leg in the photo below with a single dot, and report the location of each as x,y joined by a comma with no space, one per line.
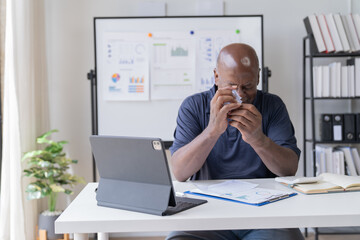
81,236
103,236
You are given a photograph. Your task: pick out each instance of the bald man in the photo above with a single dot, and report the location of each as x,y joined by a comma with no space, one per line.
218,138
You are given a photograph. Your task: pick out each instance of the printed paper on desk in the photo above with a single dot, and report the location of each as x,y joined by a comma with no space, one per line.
247,193
230,186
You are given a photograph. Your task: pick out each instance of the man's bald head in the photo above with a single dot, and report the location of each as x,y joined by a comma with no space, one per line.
238,55
238,65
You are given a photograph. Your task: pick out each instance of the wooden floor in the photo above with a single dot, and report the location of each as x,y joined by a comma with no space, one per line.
335,237
310,237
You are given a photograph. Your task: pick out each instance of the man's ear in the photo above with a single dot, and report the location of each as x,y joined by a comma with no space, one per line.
258,78
216,76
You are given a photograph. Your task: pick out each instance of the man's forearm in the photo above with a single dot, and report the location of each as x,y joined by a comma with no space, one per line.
190,158
280,160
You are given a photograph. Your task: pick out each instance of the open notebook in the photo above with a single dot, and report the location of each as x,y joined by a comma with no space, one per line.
329,182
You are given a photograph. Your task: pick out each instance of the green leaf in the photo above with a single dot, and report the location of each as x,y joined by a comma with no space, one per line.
34,195
44,164
56,188
32,154
64,182
32,188
45,191
27,171
73,178
54,148
63,162
39,176
48,174
62,142
80,180
35,161
43,138
39,184
68,191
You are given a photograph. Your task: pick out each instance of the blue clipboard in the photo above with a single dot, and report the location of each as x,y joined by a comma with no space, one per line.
238,201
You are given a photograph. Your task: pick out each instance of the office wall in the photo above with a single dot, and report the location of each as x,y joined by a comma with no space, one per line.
355,6
70,55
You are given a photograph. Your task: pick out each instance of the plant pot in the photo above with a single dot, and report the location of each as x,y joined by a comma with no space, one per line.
47,222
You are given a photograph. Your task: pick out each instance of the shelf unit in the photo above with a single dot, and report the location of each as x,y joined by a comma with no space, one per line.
308,83
310,57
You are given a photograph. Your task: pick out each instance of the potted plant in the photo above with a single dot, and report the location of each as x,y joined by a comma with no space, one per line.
49,168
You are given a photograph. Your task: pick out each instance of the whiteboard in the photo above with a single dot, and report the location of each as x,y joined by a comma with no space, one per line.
145,67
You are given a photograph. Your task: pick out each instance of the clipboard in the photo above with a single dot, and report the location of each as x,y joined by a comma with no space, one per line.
268,200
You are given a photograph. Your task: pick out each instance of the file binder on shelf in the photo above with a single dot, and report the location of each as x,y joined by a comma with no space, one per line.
326,133
338,123
357,127
349,128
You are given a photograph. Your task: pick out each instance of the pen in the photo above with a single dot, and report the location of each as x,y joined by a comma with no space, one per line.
279,197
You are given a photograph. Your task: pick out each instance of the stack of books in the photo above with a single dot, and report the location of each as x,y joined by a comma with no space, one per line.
335,80
334,32
338,159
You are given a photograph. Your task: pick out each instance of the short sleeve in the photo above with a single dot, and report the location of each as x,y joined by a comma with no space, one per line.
280,129
188,123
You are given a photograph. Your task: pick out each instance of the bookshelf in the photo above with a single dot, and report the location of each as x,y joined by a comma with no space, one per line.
310,140
309,97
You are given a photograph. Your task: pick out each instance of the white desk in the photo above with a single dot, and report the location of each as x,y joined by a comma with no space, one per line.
83,216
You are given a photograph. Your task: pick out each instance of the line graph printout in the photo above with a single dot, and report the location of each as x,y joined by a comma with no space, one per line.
209,44
172,69
127,67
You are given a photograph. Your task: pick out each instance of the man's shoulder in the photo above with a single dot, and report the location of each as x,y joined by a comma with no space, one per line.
269,96
201,98
270,104
270,99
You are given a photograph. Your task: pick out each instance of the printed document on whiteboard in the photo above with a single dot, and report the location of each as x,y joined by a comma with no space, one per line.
126,70
172,65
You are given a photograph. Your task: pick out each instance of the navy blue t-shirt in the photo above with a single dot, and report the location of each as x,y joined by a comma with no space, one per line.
231,157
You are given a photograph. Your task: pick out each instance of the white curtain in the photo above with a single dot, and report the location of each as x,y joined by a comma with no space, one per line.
2,36
25,113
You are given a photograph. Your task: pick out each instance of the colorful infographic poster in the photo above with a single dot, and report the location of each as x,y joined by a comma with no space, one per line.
172,66
127,67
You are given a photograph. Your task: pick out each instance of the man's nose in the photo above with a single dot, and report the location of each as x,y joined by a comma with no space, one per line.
240,92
